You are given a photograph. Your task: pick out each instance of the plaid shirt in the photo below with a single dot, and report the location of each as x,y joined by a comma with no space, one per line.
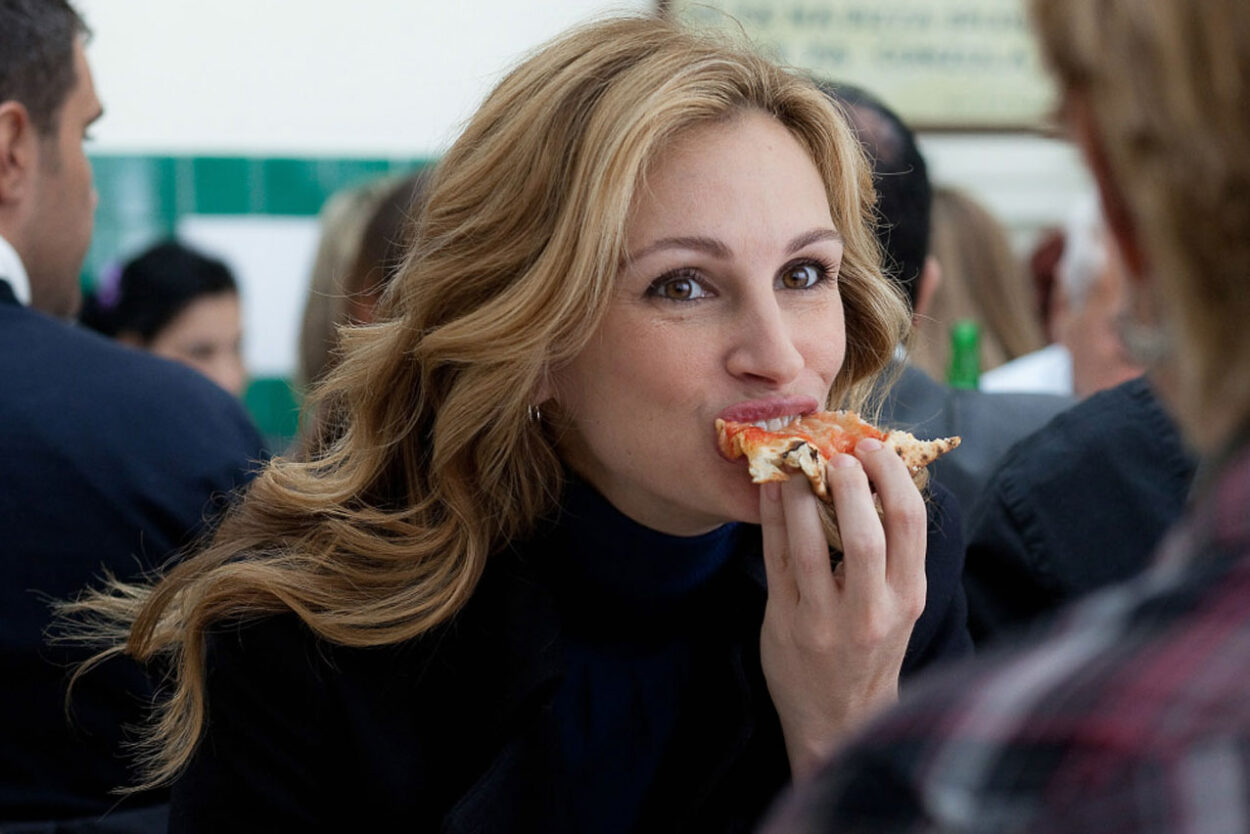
1130,714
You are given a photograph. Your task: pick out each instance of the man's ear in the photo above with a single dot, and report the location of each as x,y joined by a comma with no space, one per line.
927,282
1115,208
19,149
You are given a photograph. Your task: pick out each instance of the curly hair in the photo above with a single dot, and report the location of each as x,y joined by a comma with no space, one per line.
431,464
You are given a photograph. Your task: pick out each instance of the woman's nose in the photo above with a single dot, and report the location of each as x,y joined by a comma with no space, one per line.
763,346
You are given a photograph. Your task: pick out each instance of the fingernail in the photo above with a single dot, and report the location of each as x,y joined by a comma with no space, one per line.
869,444
843,461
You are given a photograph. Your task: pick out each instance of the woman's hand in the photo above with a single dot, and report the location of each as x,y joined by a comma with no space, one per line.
833,640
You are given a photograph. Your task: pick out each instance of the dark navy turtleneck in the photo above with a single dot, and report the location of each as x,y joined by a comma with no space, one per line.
631,600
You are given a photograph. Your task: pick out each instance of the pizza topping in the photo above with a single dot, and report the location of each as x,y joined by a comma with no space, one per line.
808,443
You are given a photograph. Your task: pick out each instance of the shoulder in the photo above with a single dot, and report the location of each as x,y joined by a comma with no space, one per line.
921,405
1034,542
494,643
989,417
1119,437
127,396
1118,419
117,456
916,402
988,423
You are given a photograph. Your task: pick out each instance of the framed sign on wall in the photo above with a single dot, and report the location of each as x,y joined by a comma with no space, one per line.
965,65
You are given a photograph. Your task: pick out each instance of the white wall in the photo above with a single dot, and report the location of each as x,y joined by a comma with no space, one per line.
397,78
1031,182
319,77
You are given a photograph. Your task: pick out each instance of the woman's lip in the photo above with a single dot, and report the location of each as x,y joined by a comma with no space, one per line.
753,411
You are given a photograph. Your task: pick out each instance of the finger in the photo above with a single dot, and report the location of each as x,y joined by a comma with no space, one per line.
863,539
776,544
809,551
903,507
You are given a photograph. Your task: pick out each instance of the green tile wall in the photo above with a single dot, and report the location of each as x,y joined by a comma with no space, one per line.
274,406
142,198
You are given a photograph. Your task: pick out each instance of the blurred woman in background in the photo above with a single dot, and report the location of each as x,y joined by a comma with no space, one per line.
177,303
982,280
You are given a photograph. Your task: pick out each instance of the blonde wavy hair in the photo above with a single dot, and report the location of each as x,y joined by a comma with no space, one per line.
430,463
1167,84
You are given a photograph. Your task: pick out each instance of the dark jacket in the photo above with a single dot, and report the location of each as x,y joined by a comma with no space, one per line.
1080,504
455,731
108,460
989,423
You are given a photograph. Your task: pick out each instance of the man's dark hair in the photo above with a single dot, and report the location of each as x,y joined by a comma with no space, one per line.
152,289
904,195
37,56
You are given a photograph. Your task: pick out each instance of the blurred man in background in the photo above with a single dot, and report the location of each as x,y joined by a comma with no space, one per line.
1091,297
1088,299
109,457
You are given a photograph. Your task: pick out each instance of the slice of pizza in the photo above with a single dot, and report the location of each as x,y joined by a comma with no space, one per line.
808,443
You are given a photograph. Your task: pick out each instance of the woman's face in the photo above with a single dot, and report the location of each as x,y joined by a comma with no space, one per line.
208,336
727,306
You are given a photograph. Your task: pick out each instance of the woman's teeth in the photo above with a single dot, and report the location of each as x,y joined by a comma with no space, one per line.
775,424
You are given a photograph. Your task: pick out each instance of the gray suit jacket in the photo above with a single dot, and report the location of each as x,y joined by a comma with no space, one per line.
989,424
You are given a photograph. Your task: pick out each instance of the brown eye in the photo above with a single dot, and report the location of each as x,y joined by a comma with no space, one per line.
801,277
678,288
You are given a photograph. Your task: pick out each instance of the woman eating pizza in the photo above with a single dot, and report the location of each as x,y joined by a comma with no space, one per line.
518,587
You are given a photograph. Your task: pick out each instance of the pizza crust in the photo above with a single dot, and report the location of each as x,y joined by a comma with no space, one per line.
916,453
772,456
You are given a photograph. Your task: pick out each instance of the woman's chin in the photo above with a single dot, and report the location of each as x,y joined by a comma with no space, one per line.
744,505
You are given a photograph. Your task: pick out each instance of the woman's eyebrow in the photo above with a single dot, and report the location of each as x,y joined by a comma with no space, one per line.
718,249
814,236
709,245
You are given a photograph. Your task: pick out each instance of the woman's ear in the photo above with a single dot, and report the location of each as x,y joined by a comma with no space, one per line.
545,390
543,393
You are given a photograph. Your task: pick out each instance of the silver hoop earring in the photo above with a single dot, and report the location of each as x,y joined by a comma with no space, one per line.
535,415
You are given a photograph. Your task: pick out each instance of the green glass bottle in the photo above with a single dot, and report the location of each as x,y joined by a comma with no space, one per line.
964,370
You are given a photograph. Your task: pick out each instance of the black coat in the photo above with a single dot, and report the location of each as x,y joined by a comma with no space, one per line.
455,731
989,423
1078,505
108,459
